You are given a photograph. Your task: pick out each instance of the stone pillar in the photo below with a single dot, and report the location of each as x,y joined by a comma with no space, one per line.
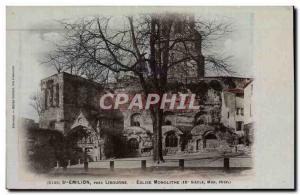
112,165
140,147
86,165
143,164
181,164
196,143
226,163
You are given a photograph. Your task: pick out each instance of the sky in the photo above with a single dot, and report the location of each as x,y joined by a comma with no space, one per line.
31,31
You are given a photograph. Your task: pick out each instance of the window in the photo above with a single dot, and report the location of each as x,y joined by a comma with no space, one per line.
228,115
46,99
237,111
250,110
242,111
90,139
135,120
239,125
51,96
57,95
171,140
52,124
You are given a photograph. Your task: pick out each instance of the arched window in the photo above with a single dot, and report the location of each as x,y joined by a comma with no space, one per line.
133,145
171,140
135,120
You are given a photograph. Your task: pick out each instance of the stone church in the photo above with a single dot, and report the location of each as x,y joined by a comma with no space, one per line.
71,106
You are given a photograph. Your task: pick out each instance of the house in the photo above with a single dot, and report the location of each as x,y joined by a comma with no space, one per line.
233,109
248,112
237,111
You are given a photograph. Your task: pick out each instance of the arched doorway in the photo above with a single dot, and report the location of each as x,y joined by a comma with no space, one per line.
210,141
133,147
80,142
198,144
171,140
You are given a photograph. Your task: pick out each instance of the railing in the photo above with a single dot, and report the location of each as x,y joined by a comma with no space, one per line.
180,165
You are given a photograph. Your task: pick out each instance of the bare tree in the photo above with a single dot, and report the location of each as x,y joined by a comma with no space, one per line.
145,46
36,103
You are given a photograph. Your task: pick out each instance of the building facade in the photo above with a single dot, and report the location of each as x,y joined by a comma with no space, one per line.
249,112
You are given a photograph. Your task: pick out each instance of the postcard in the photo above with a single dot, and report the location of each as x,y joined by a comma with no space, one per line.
150,98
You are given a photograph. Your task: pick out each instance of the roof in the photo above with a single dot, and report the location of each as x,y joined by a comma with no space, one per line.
235,90
66,75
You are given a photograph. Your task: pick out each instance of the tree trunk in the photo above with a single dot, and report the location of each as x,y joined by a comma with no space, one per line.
157,117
